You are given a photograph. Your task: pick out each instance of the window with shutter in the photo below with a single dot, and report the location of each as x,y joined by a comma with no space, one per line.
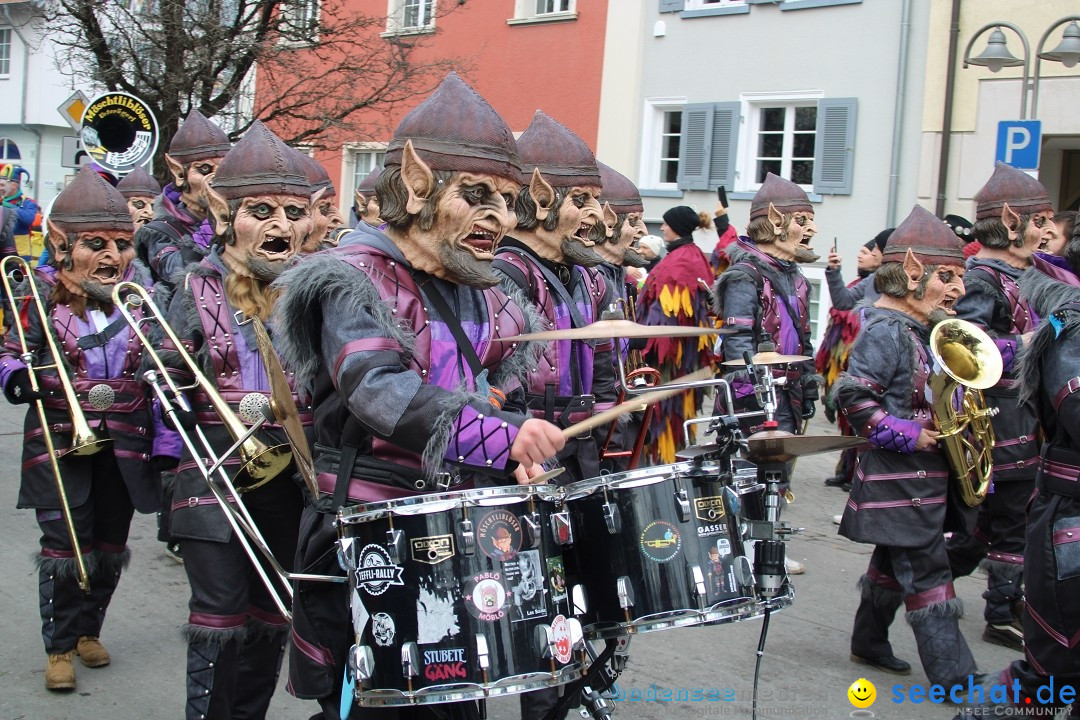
834,151
669,6
694,155
725,140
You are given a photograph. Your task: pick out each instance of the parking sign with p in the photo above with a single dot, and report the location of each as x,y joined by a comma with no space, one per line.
1019,143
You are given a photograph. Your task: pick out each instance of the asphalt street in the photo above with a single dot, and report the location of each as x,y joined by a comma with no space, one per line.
805,672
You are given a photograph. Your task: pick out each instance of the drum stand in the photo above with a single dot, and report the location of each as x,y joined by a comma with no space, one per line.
595,685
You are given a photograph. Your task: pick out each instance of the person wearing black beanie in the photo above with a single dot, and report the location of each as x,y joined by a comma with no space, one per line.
682,220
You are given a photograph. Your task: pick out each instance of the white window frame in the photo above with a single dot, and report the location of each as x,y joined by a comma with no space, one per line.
709,4
752,103
5,59
395,17
652,141
527,12
314,19
351,180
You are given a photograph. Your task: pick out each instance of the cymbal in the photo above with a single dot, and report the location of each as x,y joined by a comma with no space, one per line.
606,329
780,446
768,358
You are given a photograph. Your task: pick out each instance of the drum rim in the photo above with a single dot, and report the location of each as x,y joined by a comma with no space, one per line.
584,488
364,512
452,692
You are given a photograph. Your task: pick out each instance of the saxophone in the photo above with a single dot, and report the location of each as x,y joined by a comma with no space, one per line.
967,358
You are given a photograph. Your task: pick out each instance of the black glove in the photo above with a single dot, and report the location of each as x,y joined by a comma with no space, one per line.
18,390
186,418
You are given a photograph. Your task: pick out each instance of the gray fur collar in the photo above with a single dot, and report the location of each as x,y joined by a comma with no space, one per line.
1045,295
298,312
527,354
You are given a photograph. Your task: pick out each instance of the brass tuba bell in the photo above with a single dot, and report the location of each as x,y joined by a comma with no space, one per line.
967,358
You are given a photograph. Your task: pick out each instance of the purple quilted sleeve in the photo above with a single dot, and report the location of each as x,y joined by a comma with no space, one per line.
1007,346
482,440
895,434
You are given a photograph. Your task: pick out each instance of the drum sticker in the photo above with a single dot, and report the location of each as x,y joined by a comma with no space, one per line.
360,614
432,550
525,584
435,617
710,510
560,635
375,573
383,629
486,597
556,573
660,541
445,664
499,535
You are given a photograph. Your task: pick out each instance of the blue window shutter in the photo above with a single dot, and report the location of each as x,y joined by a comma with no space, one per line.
834,147
694,150
725,141
667,6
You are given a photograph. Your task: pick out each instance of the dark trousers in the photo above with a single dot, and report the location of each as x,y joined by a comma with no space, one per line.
999,539
101,525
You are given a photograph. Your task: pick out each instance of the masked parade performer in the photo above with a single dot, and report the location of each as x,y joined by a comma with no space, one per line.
396,333
900,497
326,221
260,204
1048,376
140,190
365,202
617,243
90,232
1013,218
676,292
551,265
182,230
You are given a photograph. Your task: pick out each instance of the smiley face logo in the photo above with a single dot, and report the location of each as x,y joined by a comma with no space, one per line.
862,693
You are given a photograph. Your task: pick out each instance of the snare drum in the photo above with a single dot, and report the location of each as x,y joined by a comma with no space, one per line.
658,547
458,596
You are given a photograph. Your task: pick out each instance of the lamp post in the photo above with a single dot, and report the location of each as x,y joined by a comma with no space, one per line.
996,55
1067,53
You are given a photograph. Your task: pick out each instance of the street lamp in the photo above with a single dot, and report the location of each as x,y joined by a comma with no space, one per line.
1067,53
997,55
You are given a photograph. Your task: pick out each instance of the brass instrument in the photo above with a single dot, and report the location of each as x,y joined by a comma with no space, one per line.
260,462
129,295
282,407
83,439
968,358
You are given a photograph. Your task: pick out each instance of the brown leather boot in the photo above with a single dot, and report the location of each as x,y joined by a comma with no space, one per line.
92,653
60,672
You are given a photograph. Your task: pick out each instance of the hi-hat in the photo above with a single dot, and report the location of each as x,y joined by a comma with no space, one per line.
781,446
606,329
768,358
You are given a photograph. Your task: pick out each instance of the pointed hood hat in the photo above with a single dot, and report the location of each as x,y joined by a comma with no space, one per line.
618,192
90,203
563,158
138,183
261,164
198,139
317,175
1023,193
929,239
367,185
456,129
784,195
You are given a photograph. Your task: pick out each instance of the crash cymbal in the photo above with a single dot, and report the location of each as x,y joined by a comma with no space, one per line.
780,446
768,358
606,329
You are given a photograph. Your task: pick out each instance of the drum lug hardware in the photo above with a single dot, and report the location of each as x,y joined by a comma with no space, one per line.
625,592
545,640
467,537
744,572
532,529
731,502
580,599
482,658
395,545
362,662
682,504
699,584
612,518
561,528
410,660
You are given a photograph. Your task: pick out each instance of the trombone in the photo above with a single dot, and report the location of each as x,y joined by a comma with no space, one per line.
83,439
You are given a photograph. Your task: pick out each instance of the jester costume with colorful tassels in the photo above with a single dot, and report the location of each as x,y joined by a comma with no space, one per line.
674,295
